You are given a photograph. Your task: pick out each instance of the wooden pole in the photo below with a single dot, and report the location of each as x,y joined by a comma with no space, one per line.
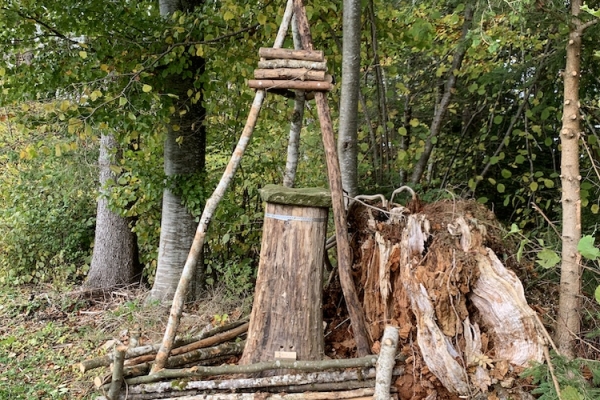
385,363
117,373
280,63
291,54
303,74
357,316
267,84
211,205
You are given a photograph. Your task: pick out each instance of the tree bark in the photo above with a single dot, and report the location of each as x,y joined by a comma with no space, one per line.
115,257
347,134
184,155
442,106
287,311
211,205
567,321
357,317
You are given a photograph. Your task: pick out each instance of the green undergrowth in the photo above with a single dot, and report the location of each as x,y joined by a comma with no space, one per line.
46,332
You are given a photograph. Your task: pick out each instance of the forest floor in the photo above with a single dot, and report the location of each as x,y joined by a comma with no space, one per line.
45,333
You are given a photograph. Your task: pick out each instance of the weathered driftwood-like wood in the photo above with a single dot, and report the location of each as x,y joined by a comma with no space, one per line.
287,311
385,363
356,394
311,65
302,74
196,372
117,373
316,381
189,268
194,356
291,54
357,316
135,352
267,84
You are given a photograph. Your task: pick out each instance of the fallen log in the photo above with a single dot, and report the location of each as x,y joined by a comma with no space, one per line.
314,65
153,348
196,372
357,394
291,54
117,373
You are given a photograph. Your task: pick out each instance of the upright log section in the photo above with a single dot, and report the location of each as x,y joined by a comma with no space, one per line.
355,311
287,320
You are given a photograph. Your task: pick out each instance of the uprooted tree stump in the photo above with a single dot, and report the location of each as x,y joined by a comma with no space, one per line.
287,319
462,314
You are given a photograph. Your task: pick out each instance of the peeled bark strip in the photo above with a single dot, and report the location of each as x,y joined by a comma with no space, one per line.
385,363
311,65
282,84
291,54
209,209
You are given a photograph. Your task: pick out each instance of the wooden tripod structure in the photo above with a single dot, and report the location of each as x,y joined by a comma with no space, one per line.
357,318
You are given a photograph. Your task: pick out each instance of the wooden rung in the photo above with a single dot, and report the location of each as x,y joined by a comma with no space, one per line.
289,73
291,54
287,84
280,63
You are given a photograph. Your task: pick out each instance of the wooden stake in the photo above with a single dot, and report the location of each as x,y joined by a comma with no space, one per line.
117,373
267,84
291,54
357,316
189,268
385,363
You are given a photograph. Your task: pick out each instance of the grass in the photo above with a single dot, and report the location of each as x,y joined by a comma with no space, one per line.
46,332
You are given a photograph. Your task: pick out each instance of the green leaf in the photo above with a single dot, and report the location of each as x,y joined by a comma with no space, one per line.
587,249
597,294
570,393
83,54
122,101
402,131
262,19
547,258
228,15
146,88
506,173
498,119
501,188
533,186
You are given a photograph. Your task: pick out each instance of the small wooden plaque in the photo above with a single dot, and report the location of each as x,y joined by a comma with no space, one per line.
285,355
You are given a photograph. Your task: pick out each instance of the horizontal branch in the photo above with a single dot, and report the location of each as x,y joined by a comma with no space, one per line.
197,372
314,65
289,73
362,393
153,348
266,84
291,54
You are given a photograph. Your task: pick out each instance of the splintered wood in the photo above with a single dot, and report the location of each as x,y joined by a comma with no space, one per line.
433,273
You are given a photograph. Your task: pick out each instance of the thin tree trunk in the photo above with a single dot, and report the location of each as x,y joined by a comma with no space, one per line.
442,107
115,257
211,205
567,322
347,136
291,165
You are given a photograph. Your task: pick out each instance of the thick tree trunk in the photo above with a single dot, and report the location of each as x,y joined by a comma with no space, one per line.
567,322
184,154
287,313
347,146
115,257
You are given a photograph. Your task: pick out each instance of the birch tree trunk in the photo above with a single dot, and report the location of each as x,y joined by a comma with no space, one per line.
115,257
184,154
347,136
